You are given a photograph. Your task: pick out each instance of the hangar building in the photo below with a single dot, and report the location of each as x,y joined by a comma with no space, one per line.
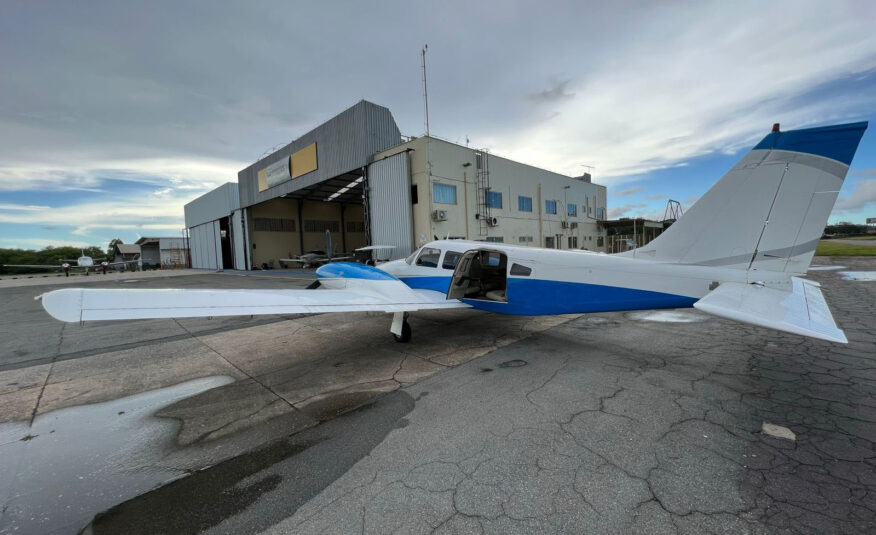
356,177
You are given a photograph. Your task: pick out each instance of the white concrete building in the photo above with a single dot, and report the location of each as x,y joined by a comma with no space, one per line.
467,193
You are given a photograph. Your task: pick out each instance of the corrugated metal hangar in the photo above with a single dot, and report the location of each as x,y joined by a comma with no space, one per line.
355,177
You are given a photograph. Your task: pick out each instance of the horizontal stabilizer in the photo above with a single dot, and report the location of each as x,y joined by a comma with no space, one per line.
801,311
77,304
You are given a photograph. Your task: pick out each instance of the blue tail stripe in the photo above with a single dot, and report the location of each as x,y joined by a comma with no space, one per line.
838,142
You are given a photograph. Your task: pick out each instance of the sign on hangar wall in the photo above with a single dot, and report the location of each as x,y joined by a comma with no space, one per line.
299,163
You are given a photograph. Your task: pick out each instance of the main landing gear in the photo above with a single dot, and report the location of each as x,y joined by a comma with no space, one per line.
401,329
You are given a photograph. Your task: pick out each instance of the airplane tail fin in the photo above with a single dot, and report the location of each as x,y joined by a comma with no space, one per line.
770,209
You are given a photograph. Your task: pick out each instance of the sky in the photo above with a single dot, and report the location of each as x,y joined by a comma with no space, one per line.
113,115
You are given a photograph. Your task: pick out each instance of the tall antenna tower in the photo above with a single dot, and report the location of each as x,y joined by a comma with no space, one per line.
425,89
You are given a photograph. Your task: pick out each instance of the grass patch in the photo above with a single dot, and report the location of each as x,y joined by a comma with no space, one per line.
832,248
867,237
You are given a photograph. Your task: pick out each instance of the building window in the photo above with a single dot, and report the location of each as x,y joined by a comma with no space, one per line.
599,241
443,193
321,225
429,257
415,198
599,213
549,242
450,260
494,199
525,239
550,207
270,224
524,204
496,239
573,242
355,226
572,210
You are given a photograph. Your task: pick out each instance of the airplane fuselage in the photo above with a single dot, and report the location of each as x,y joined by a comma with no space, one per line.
550,281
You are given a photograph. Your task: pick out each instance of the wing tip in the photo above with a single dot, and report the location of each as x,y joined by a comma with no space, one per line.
63,305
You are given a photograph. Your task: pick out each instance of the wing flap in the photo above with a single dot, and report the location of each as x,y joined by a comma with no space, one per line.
802,311
77,304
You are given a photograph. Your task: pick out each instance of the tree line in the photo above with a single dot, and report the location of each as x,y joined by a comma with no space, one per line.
50,256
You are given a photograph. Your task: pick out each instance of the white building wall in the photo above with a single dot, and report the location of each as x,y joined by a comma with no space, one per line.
437,161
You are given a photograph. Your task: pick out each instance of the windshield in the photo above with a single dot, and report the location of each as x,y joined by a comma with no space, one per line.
410,259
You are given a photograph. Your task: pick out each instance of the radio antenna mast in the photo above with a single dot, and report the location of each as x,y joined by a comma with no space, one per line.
426,89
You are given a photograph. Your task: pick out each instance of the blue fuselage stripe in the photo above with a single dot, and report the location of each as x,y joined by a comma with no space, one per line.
535,297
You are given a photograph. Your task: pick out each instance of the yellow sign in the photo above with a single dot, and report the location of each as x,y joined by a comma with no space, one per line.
303,161
299,163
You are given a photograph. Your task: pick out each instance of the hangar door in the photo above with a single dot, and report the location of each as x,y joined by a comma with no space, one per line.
205,242
389,204
238,239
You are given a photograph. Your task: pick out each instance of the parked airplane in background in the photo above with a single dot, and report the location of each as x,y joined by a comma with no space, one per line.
83,262
738,253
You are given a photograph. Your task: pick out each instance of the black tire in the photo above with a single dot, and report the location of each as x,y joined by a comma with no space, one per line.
405,335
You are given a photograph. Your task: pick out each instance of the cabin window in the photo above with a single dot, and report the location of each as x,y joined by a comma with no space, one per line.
451,259
443,193
524,204
522,271
429,257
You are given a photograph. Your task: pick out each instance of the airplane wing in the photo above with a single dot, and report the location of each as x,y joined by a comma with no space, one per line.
803,310
342,295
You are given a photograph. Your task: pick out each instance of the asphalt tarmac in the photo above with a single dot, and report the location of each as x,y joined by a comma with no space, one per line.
653,422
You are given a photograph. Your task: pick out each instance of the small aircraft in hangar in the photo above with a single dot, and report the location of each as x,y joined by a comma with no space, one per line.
84,262
739,252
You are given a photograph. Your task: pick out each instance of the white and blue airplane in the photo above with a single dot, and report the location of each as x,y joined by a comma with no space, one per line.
740,252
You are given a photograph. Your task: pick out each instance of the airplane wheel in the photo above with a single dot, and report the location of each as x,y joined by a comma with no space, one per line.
405,335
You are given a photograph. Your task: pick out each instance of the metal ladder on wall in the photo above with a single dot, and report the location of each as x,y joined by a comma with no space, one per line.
483,186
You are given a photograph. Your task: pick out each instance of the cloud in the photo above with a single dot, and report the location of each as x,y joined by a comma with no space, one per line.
557,92
863,197
627,192
655,197
863,173
40,243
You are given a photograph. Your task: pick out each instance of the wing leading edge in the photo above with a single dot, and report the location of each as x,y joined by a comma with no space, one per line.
357,295
802,311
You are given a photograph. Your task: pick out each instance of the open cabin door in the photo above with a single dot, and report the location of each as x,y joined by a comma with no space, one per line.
480,274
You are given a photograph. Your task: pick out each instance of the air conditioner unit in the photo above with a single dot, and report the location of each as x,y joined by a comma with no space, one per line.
573,225
564,224
439,215
493,221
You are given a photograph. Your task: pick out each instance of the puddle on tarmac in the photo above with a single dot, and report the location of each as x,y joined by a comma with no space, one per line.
84,459
859,275
668,316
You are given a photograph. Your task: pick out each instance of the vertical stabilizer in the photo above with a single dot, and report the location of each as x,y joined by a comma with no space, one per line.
770,209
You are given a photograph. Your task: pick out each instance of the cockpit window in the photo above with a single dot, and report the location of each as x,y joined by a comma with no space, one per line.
410,259
450,259
429,257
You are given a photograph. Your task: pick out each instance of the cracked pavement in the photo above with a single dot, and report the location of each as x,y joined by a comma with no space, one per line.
634,427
